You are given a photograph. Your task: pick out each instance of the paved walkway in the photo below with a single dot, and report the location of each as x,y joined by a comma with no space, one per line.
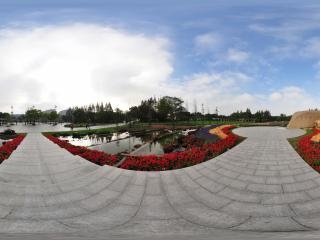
260,185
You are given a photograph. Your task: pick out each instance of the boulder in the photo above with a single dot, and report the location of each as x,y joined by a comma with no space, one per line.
304,119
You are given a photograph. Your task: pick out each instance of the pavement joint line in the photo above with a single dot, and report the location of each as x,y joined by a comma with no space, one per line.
307,227
200,202
172,207
139,207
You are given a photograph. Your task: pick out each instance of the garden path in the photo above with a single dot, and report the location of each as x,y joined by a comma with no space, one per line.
260,185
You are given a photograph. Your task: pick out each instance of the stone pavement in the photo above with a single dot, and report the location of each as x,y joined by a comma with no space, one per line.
260,185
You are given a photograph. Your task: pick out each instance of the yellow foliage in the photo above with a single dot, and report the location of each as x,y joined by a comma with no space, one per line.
316,138
218,131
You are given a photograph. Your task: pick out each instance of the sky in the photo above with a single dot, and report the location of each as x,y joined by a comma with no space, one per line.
230,55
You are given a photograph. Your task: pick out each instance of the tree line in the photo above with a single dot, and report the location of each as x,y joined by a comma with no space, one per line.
163,109
33,115
4,117
152,109
258,116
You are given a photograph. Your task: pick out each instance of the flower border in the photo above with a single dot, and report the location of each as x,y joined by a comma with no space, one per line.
309,150
94,156
7,149
177,160
167,161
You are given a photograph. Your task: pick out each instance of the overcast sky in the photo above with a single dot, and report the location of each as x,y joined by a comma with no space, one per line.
226,54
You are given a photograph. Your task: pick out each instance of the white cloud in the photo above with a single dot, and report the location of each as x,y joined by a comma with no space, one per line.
78,64
290,99
218,89
288,93
237,56
208,42
275,96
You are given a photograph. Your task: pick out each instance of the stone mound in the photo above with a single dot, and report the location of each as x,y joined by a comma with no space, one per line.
304,119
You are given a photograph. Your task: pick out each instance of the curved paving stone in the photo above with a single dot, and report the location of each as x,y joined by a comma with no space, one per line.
260,185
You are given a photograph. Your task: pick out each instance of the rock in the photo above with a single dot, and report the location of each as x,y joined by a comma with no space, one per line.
304,119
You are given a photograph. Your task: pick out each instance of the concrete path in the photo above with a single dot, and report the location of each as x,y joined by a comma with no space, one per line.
260,185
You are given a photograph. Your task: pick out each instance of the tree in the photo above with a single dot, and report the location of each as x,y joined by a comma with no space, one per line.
247,114
118,115
79,115
147,110
69,116
133,113
53,116
164,109
32,115
168,108
4,117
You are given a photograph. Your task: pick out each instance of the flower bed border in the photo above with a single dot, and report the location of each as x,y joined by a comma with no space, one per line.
309,150
7,149
168,161
94,156
189,157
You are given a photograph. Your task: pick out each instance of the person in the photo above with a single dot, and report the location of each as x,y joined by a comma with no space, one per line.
71,126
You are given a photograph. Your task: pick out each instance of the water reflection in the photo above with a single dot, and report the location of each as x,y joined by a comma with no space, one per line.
135,144
42,127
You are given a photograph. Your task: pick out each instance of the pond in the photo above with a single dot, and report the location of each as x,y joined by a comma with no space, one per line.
135,144
42,127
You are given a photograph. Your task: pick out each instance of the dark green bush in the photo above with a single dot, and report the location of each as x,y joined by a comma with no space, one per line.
9,132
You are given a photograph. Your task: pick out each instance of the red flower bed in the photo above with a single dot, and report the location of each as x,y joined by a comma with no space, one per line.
191,156
9,147
310,151
195,153
97,157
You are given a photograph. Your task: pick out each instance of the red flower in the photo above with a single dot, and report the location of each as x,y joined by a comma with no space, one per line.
195,153
97,157
310,151
9,147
